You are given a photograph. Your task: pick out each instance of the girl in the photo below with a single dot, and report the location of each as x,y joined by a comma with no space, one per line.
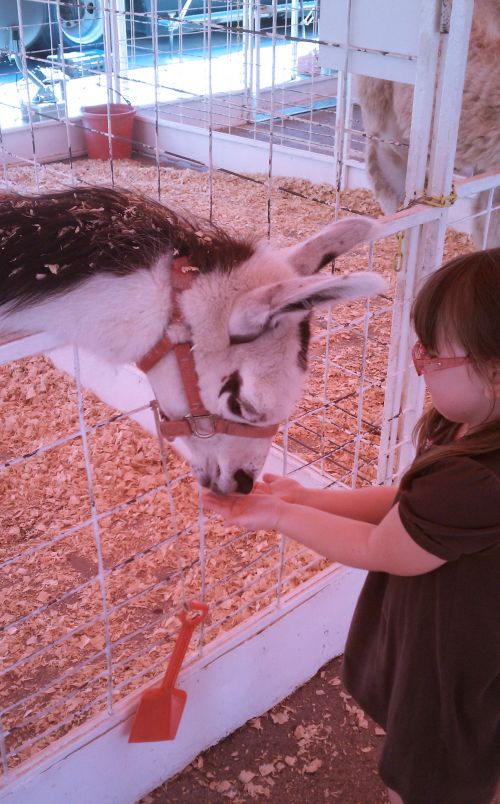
423,656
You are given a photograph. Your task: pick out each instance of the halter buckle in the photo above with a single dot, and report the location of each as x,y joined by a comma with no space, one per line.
202,426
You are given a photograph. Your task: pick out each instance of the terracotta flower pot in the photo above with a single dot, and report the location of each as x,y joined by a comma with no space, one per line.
95,128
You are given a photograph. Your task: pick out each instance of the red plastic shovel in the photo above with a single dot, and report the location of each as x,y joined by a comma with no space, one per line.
160,709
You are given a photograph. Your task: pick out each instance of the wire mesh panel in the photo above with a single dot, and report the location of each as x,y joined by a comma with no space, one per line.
246,114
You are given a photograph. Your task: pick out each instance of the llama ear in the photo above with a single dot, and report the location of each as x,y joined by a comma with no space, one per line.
260,310
335,239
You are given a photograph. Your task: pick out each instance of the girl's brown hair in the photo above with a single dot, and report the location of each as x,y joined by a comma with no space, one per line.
460,302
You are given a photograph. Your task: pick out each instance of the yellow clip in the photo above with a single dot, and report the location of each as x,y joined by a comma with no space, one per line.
438,200
398,262
432,201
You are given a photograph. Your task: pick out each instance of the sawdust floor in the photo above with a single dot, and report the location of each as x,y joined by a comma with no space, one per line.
317,745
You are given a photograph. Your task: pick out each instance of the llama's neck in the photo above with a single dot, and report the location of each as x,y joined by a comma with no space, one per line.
117,317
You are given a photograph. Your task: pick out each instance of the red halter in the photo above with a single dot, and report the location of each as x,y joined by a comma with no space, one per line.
199,422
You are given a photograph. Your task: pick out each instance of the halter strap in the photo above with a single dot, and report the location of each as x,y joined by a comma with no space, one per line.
182,275
200,422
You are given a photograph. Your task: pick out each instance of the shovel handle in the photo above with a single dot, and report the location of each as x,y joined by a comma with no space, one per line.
189,621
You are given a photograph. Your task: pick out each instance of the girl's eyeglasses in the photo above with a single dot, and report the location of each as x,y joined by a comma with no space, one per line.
424,362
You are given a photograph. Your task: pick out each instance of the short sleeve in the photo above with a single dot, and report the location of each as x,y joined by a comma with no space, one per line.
453,508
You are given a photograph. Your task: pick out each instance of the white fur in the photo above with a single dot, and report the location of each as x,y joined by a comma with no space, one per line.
253,312
117,317
121,317
386,109
345,234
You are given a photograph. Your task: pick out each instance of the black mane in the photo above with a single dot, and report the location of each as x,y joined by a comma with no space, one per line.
52,242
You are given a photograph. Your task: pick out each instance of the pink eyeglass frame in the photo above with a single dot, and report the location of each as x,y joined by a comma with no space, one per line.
424,362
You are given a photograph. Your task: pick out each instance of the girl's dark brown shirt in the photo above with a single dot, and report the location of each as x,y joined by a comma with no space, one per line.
423,652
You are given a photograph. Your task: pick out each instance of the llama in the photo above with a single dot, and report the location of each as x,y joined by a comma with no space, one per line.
386,110
133,281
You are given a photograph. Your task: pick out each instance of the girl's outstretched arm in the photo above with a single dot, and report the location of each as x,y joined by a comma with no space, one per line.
368,504
386,547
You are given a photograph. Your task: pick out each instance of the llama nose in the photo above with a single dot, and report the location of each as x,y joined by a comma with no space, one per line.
244,482
205,480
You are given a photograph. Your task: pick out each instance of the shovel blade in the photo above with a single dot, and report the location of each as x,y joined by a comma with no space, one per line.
158,715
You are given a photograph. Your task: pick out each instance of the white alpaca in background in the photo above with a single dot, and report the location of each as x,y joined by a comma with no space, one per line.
386,109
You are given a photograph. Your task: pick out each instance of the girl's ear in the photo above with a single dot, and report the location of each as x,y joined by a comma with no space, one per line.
492,389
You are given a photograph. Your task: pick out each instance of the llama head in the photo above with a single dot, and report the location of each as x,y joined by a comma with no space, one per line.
97,273
250,333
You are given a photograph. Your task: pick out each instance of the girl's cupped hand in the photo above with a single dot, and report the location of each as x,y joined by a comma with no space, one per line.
284,488
259,510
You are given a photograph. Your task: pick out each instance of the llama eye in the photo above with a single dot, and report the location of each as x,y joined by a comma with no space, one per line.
235,401
231,386
234,406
